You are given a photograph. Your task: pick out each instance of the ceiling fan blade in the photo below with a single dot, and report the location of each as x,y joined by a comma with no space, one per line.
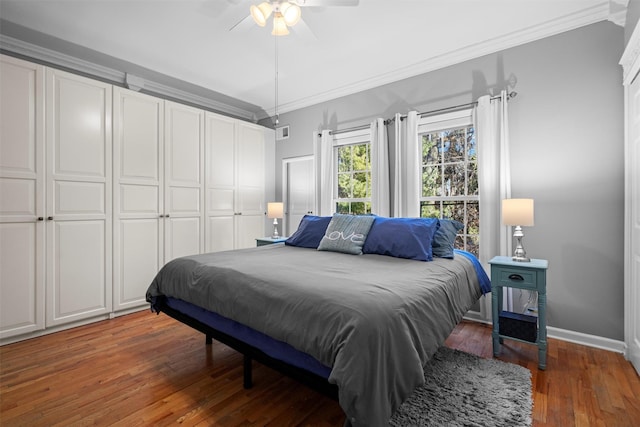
304,31
244,24
325,3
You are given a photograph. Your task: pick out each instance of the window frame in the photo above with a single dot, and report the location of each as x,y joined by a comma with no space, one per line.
438,123
354,137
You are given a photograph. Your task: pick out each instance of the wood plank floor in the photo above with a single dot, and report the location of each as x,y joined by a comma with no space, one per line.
143,369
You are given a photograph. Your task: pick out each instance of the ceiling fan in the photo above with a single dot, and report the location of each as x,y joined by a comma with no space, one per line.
287,13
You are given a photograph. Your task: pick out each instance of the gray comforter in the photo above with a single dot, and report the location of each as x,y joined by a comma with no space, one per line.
375,320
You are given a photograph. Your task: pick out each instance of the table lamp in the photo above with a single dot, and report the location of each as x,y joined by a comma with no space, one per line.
275,210
518,212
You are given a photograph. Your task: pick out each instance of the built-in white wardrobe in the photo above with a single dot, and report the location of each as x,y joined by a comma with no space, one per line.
100,186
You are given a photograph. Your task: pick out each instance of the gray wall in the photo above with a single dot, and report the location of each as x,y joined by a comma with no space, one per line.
566,128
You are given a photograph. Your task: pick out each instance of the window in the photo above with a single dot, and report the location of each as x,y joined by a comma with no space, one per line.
352,156
449,169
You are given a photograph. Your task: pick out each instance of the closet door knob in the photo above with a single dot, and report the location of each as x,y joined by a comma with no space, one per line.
49,218
40,218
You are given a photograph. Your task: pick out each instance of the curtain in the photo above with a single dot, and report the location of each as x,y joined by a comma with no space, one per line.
407,176
323,163
380,200
494,174
494,179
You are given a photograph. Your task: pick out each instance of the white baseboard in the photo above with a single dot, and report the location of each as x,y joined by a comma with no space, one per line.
569,336
586,339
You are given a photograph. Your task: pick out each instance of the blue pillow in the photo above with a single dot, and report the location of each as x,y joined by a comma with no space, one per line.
310,231
445,238
346,233
402,237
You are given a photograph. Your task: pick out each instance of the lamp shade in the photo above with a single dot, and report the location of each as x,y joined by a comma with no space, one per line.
275,210
291,13
517,212
279,26
261,13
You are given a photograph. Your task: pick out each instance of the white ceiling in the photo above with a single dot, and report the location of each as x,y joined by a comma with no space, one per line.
336,51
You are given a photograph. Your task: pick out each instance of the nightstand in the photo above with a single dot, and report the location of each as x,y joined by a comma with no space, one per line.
531,276
262,241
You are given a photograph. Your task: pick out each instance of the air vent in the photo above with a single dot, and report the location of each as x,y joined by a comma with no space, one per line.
282,132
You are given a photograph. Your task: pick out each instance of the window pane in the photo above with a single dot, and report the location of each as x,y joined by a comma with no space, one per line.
431,181
360,158
358,208
430,210
473,245
360,185
472,179
453,145
344,159
453,210
429,149
343,207
471,144
473,218
344,185
454,180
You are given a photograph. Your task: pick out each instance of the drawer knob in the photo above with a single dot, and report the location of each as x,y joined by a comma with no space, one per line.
516,277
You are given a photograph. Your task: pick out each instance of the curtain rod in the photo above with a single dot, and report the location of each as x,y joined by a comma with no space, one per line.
510,96
336,132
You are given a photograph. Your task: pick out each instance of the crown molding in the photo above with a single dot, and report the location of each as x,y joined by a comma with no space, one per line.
630,59
70,63
618,12
600,12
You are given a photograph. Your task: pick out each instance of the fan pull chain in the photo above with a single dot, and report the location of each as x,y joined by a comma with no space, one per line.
277,118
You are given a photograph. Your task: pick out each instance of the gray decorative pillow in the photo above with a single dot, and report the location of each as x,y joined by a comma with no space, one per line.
346,233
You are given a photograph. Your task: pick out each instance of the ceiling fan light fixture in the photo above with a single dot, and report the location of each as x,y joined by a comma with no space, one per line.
279,25
261,13
291,13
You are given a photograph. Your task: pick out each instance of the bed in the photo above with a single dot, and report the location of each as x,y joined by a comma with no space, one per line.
364,325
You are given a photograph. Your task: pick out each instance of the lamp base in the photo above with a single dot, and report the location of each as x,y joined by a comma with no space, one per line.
519,255
275,234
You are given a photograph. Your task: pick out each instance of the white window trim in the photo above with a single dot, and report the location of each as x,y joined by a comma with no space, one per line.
445,121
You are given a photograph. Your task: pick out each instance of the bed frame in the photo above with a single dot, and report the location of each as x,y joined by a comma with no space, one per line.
251,353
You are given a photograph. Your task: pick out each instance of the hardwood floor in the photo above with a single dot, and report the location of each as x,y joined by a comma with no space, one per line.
143,369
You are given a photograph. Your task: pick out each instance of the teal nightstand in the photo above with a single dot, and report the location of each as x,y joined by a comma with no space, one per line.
532,276
262,241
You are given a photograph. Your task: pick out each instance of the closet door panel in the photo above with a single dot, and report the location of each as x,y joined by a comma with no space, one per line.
220,201
220,233
183,237
249,227
221,141
139,200
21,293
184,135
184,183
80,112
79,272
79,198
21,85
138,195
22,186
184,200
138,260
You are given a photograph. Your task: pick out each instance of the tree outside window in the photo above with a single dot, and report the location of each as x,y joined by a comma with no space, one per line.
450,182
354,179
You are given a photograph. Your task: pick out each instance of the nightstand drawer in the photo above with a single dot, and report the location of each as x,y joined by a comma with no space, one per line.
517,278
